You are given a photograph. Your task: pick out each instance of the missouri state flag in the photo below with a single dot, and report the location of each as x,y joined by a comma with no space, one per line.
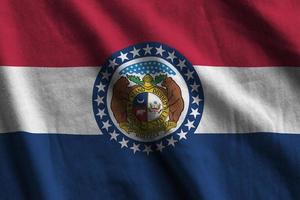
129,99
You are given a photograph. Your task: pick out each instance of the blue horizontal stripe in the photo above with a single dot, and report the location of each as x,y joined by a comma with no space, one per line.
209,166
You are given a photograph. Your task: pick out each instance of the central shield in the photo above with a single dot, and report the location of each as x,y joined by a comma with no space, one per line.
147,107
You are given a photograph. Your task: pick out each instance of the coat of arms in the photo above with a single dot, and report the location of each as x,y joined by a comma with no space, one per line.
152,105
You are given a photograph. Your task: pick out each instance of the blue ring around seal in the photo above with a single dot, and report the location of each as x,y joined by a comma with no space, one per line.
189,74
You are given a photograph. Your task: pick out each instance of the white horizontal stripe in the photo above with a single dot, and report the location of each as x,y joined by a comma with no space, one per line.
237,100
47,100
243,100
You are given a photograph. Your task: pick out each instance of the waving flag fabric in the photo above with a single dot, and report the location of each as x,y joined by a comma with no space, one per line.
149,100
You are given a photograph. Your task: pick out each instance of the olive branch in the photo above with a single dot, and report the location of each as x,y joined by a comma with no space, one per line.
135,79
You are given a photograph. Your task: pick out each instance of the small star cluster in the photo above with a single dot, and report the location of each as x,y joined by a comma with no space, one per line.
143,68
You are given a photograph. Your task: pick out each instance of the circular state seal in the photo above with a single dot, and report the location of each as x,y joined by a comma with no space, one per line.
147,97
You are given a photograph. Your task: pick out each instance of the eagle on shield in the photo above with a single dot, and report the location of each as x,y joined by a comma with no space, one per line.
147,105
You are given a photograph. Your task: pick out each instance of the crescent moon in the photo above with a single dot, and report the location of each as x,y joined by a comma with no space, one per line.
140,101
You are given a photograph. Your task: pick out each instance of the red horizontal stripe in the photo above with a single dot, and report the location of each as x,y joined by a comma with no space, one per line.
82,33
